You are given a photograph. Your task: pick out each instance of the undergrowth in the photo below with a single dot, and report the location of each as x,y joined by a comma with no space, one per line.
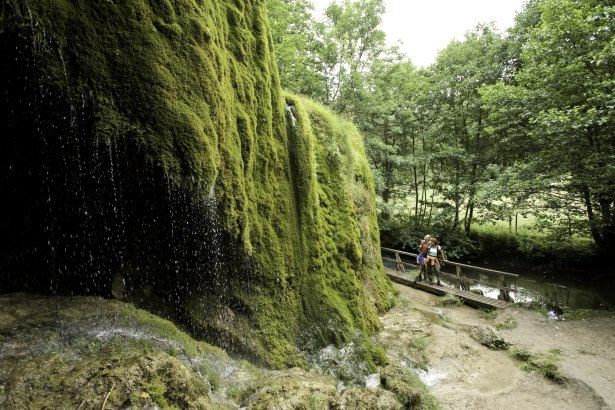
580,314
545,364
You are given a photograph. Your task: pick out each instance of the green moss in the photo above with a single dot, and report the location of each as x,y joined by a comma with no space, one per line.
408,388
85,349
194,86
509,323
156,389
345,257
255,381
546,364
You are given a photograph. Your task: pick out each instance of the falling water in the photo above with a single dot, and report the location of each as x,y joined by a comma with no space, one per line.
291,115
94,215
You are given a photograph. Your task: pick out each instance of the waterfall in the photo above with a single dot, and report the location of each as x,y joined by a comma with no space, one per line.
92,215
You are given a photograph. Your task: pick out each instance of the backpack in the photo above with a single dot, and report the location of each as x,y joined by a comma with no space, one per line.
424,247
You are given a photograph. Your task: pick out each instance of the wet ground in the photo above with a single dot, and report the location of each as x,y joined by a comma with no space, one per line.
464,374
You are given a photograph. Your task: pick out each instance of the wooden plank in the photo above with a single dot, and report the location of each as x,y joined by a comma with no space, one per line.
453,276
470,298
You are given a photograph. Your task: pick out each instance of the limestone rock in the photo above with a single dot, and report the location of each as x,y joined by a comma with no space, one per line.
487,336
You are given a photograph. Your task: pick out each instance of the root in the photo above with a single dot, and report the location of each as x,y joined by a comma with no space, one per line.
107,396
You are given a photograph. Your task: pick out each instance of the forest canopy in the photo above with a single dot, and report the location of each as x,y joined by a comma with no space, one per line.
504,126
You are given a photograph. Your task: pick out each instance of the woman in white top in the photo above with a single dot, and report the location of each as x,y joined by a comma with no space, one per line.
432,260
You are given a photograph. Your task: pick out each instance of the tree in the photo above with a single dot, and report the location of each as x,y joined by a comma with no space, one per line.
570,61
384,123
293,33
565,81
349,42
461,69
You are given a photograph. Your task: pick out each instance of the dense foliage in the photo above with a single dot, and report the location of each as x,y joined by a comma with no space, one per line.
502,127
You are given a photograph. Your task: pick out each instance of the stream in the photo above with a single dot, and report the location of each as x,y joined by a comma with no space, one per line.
557,289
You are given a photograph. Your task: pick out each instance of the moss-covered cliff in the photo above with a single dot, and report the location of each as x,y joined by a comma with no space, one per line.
150,154
91,353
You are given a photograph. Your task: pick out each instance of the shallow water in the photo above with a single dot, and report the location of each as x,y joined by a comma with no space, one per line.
555,289
373,380
562,288
430,377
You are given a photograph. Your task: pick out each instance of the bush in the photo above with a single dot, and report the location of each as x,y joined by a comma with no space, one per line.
531,248
492,243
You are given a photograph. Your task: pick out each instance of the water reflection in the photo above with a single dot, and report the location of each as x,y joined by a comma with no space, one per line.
556,291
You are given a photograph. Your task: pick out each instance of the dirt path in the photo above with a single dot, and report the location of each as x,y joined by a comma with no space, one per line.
464,374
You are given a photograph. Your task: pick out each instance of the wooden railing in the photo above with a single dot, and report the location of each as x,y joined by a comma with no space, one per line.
504,281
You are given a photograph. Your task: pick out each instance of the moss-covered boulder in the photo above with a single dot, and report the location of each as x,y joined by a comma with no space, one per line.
407,387
93,353
90,353
152,156
369,399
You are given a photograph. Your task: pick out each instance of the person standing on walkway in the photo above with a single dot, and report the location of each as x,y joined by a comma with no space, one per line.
433,260
420,259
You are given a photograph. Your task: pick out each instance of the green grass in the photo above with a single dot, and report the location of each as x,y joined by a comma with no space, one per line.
420,343
408,388
529,247
545,364
489,314
509,323
536,306
502,228
580,314
449,300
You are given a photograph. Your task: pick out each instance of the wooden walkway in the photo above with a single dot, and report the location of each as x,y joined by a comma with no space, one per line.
470,298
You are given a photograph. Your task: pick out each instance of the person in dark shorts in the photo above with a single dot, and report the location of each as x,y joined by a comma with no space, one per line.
420,259
433,260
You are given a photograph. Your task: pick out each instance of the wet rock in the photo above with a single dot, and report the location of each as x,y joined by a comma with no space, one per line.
487,337
297,390
349,363
127,380
407,387
6,320
449,300
75,352
372,381
367,399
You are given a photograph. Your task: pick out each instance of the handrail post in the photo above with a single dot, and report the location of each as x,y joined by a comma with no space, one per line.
504,295
399,265
461,284
505,281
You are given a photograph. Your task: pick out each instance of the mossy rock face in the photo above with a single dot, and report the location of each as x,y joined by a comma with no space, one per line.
140,381
376,399
83,352
89,352
295,389
154,158
407,387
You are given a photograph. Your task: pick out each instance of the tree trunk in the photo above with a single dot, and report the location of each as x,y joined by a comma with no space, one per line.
469,217
590,216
